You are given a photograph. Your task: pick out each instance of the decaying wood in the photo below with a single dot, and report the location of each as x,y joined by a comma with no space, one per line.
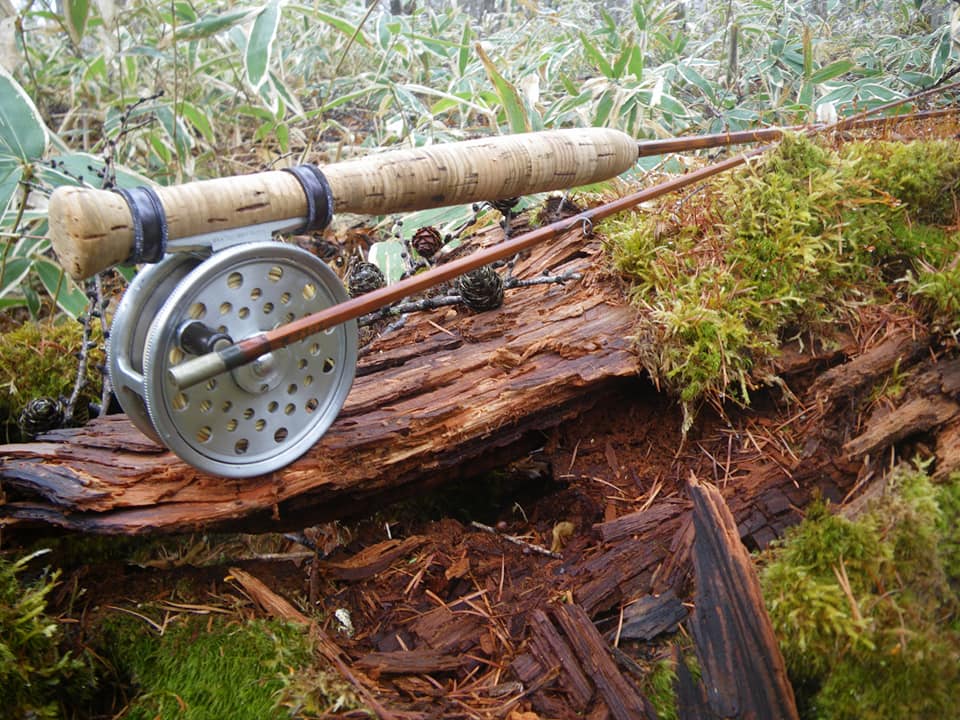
651,615
441,395
743,670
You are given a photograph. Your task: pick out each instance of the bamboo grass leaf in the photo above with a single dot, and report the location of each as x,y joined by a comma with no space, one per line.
76,16
260,44
517,117
832,71
596,57
23,134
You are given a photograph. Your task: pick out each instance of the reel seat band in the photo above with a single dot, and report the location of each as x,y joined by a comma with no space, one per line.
149,224
318,193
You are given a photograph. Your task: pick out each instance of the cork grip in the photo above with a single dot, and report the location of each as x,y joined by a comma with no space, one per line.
92,229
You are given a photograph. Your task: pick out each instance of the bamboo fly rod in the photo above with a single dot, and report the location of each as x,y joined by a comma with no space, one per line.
204,367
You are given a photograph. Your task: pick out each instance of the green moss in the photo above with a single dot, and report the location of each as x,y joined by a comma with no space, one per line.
39,359
37,678
203,667
866,611
923,175
788,244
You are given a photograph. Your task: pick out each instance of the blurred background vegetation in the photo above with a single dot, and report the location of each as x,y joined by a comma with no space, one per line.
103,91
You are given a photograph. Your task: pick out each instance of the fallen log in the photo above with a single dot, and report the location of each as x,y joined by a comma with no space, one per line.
449,392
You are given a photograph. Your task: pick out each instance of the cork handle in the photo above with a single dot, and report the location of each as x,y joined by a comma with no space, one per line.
92,230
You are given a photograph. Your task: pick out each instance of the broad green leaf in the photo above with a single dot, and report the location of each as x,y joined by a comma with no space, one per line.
840,95
604,106
96,71
22,132
339,24
831,71
198,118
260,44
212,24
463,58
695,78
76,14
10,174
65,292
512,104
85,169
12,274
595,56
938,60
388,256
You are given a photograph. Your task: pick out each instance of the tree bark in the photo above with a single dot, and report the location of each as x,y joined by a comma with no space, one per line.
450,392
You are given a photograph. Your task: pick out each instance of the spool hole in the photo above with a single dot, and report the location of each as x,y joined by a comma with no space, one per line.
280,435
234,280
241,446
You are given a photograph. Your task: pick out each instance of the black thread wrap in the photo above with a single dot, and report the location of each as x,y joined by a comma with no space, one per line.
149,224
318,193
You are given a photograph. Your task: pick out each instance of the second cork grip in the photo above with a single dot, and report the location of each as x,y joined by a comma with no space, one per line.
93,230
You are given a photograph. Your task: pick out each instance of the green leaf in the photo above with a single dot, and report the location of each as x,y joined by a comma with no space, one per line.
22,132
12,274
69,298
337,23
696,79
388,256
595,56
76,14
10,174
71,166
463,58
196,117
516,111
212,24
260,45
831,71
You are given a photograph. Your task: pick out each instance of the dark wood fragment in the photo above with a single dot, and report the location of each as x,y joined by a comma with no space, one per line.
446,630
652,615
914,416
743,669
550,649
692,701
844,380
620,696
372,560
640,522
411,662
948,450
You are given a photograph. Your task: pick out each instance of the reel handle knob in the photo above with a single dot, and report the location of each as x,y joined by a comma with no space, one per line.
92,229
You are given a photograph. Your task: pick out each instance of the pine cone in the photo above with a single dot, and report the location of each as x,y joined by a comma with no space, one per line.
364,277
506,205
481,289
40,415
427,241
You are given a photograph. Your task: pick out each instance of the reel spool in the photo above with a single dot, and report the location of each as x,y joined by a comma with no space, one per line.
258,417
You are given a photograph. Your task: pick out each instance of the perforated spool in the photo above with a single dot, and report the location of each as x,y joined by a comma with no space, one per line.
264,415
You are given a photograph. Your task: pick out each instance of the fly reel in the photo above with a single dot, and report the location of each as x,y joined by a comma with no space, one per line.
255,418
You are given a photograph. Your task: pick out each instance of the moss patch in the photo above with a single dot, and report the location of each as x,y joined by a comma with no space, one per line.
37,678
867,610
216,667
39,359
790,244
